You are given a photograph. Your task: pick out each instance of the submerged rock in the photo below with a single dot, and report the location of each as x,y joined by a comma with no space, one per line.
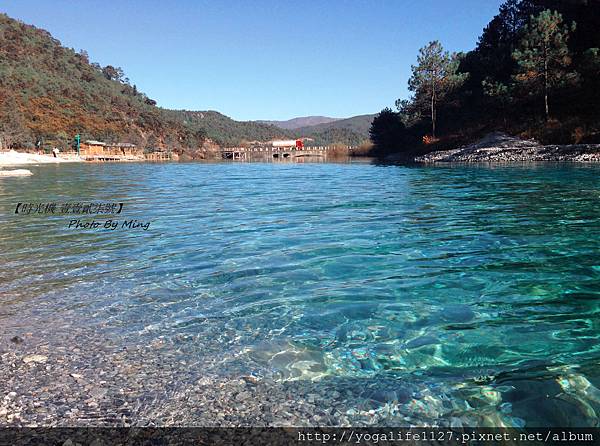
457,314
17,340
422,341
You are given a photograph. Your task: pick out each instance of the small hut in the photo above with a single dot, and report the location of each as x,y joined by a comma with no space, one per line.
92,148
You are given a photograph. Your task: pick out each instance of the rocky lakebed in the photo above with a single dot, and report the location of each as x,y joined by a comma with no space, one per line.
108,384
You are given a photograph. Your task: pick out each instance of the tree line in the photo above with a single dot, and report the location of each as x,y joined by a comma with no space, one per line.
535,71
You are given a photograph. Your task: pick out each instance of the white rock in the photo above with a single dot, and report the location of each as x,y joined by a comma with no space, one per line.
15,173
40,359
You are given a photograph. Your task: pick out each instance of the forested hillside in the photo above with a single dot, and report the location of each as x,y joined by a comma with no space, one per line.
535,72
225,130
49,93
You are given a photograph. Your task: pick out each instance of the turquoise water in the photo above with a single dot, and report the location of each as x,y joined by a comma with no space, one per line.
480,283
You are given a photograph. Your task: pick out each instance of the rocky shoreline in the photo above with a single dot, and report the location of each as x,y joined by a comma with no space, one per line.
501,148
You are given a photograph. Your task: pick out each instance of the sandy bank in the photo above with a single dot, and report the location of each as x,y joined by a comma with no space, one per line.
501,148
13,158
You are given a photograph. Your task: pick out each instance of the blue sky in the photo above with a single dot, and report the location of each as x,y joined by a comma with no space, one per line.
262,59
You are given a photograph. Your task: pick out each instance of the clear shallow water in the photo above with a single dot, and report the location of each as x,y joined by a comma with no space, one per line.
481,284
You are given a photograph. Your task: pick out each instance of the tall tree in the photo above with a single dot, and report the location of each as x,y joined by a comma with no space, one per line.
434,75
543,55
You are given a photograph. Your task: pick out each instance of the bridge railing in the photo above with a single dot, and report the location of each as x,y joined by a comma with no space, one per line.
284,149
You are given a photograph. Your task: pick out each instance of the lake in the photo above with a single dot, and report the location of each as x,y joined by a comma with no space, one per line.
281,293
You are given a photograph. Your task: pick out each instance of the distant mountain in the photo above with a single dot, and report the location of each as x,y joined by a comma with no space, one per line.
296,123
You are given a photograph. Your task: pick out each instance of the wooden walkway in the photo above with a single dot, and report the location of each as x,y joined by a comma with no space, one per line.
244,153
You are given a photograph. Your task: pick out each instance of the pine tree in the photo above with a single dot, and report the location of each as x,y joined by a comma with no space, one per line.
543,55
434,76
